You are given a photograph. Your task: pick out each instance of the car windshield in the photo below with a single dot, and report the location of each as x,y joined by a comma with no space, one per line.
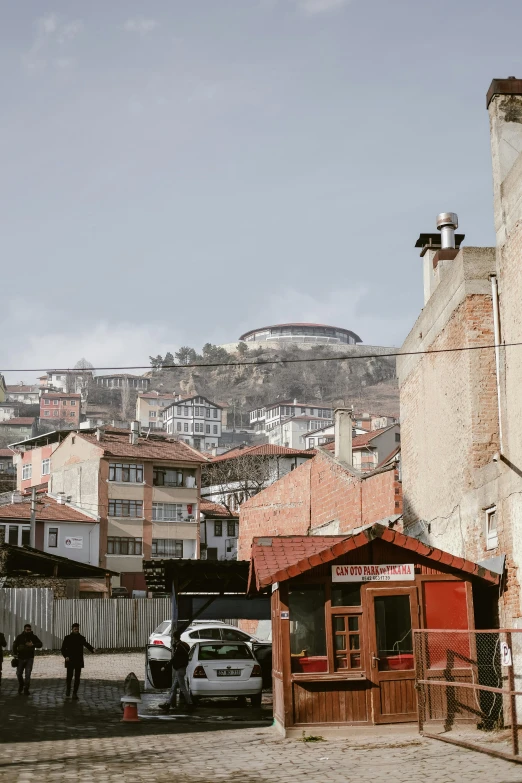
163,627
224,652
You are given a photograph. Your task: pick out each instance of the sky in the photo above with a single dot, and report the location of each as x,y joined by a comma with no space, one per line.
178,172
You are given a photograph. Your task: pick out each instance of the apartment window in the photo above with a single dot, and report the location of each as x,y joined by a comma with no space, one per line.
163,477
207,429
152,414
215,413
231,530
26,535
185,426
52,537
46,467
55,402
166,547
45,402
185,412
124,545
208,413
129,473
65,402
167,512
215,429
178,426
72,414
125,508
218,528
56,413
73,402
27,472
491,528
47,413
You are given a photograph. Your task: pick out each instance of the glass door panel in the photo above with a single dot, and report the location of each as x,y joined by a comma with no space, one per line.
394,633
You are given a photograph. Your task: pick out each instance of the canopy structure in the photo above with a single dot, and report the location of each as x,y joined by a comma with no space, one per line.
26,561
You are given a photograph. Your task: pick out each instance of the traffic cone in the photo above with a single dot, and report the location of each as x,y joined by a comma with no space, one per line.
130,713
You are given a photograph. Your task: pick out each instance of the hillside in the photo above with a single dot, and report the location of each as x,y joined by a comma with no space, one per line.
367,384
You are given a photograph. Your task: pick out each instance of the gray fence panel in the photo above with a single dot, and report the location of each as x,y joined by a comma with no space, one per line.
113,623
20,605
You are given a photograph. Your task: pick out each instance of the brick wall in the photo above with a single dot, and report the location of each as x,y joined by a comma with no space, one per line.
319,492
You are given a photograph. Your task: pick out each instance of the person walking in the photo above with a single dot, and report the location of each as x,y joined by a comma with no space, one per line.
180,657
72,651
3,643
23,649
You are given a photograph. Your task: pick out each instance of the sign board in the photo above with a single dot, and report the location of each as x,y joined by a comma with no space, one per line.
505,654
403,572
74,542
285,615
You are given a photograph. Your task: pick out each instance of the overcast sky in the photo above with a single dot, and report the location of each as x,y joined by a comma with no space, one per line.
179,171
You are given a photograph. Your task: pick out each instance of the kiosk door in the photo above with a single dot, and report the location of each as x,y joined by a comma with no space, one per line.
393,614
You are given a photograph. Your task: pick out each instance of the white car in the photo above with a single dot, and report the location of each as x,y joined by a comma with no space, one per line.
224,669
208,630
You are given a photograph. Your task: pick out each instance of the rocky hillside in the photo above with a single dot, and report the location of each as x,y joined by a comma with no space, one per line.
367,384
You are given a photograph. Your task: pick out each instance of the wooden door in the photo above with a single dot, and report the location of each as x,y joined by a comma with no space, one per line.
393,614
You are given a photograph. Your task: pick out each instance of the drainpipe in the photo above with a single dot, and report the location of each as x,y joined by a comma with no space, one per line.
496,330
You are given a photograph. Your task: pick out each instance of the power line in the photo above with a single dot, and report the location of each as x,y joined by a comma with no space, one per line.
262,362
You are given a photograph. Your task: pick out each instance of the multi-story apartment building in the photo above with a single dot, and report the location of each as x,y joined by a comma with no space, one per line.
20,392
8,410
18,428
292,432
60,407
194,420
67,381
219,532
145,491
270,416
120,380
150,407
32,459
373,421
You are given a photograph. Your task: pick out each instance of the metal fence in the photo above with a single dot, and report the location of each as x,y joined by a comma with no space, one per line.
114,623
20,605
469,685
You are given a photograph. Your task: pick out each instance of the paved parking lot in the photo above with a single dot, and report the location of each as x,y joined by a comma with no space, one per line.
47,739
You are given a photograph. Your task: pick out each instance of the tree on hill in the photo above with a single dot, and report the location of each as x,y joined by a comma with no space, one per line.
186,355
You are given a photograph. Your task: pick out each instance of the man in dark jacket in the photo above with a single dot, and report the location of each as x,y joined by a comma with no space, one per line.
23,649
72,651
3,643
180,658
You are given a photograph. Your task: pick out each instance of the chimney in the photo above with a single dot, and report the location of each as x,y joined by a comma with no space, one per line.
60,498
134,433
99,433
343,434
438,250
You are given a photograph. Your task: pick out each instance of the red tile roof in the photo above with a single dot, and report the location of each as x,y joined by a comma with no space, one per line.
211,509
47,509
17,388
264,450
24,421
116,444
278,558
52,395
7,453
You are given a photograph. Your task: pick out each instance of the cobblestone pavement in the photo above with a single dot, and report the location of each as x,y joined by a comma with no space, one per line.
47,739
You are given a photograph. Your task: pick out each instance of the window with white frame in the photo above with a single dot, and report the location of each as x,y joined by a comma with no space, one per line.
131,473
46,466
27,471
166,547
167,512
491,528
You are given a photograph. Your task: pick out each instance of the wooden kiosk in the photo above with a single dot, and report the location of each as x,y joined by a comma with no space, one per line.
343,613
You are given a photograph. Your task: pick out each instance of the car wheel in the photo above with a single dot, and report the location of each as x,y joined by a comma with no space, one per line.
255,701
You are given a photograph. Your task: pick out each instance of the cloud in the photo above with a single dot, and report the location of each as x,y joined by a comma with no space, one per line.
51,35
104,345
140,25
316,7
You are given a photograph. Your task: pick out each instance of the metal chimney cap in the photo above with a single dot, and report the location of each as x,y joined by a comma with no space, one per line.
447,219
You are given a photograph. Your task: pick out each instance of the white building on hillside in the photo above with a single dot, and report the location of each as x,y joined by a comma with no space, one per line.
291,433
150,407
271,416
194,420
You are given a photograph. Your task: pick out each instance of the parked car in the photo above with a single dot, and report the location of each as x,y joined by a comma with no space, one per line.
218,669
207,630
119,592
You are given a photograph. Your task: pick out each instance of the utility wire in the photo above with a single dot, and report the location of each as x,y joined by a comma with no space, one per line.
272,361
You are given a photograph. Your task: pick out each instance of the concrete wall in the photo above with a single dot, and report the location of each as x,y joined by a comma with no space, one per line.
319,494
86,541
75,471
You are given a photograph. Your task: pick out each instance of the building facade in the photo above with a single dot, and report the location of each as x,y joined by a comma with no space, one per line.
194,420
67,381
145,491
9,410
219,532
121,380
293,432
18,428
150,407
314,334
60,407
269,417
461,410
22,393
